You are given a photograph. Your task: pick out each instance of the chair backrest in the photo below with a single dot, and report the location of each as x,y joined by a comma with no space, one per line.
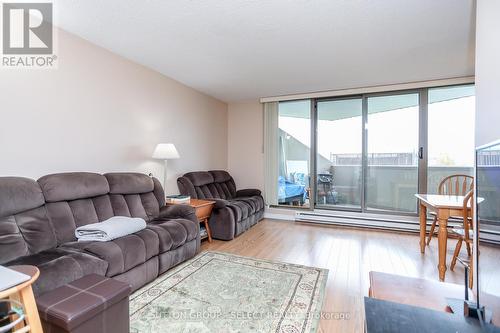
456,185
468,213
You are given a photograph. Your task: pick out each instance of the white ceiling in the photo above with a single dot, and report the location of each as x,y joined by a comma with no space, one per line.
244,49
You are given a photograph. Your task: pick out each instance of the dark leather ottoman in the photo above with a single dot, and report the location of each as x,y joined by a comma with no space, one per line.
91,304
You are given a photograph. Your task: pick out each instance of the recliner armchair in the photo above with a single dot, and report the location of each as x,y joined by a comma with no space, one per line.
234,211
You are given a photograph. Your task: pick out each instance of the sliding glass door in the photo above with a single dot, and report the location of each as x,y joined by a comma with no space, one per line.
372,152
339,153
392,129
371,167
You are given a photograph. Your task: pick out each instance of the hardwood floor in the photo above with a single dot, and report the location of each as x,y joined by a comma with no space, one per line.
349,254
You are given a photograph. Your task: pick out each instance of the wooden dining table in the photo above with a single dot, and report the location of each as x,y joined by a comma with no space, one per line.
444,206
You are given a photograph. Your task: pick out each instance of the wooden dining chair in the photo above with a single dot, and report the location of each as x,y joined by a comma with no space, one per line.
458,184
465,233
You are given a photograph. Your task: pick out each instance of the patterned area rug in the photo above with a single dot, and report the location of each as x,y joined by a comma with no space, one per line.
224,293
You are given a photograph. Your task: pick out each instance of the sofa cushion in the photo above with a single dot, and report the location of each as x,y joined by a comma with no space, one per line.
200,178
259,200
24,226
241,210
221,176
174,233
135,205
12,244
36,229
178,212
216,184
72,186
19,194
225,183
129,183
124,253
60,266
25,233
66,216
256,203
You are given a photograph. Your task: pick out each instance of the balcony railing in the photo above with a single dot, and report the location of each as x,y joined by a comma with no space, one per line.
389,187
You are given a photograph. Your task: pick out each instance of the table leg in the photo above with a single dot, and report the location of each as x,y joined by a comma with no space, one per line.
423,226
28,300
209,232
443,216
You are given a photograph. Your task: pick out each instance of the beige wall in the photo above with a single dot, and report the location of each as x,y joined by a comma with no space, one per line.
245,144
100,112
487,71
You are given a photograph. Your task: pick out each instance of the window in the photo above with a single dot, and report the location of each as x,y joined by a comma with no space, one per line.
372,152
450,134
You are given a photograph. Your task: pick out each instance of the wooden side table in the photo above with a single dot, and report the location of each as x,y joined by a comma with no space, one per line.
23,293
203,210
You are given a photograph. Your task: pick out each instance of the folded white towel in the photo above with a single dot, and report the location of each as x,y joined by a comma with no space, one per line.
115,227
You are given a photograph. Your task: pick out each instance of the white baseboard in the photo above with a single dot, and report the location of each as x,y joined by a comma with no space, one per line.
286,217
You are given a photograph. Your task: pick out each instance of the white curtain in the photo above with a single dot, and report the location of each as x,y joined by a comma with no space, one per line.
271,153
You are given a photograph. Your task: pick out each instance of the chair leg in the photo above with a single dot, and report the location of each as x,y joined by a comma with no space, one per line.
431,232
456,253
469,251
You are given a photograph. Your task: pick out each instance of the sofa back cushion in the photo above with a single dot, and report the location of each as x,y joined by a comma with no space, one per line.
75,199
37,216
80,198
135,195
73,186
24,226
207,184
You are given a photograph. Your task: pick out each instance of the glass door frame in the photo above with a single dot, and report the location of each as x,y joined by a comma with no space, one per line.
314,131
422,148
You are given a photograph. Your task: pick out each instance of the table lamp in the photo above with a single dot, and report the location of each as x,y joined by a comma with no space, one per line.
165,152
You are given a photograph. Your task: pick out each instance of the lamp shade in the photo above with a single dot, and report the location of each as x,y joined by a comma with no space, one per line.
165,151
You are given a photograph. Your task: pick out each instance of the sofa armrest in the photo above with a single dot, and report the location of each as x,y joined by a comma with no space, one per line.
249,192
220,203
178,212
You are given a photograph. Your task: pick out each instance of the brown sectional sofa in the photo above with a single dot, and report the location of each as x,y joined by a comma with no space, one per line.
38,221
235,211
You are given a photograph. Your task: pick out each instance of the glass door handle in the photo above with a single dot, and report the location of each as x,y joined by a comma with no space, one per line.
421,153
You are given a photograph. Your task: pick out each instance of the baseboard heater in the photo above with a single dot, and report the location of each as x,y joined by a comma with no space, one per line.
390,223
